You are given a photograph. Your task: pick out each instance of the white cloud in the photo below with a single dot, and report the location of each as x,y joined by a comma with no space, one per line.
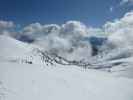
73,28
6,24
121,31
7,28
68,39
38,29
126,2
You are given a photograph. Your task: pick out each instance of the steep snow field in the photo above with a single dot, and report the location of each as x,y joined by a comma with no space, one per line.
16,51
22,80
11,47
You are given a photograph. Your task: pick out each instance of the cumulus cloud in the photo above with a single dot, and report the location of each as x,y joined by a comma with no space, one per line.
70,39
73,28
38,29
6,24
35,31
120,31
66,40
7,28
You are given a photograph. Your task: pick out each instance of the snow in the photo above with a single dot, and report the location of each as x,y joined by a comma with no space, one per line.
12,47
29,82
37,81
16,51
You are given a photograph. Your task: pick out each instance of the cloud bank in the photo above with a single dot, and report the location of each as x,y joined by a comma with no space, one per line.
65,40
71,39
7,28
120,31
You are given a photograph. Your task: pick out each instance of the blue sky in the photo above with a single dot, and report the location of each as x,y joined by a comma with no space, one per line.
91,12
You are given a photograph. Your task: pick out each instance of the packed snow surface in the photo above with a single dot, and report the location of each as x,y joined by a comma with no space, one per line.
34,82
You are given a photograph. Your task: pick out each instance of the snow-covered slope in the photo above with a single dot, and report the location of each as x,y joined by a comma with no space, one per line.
24,75
32,82
12,50
11,47
117,60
